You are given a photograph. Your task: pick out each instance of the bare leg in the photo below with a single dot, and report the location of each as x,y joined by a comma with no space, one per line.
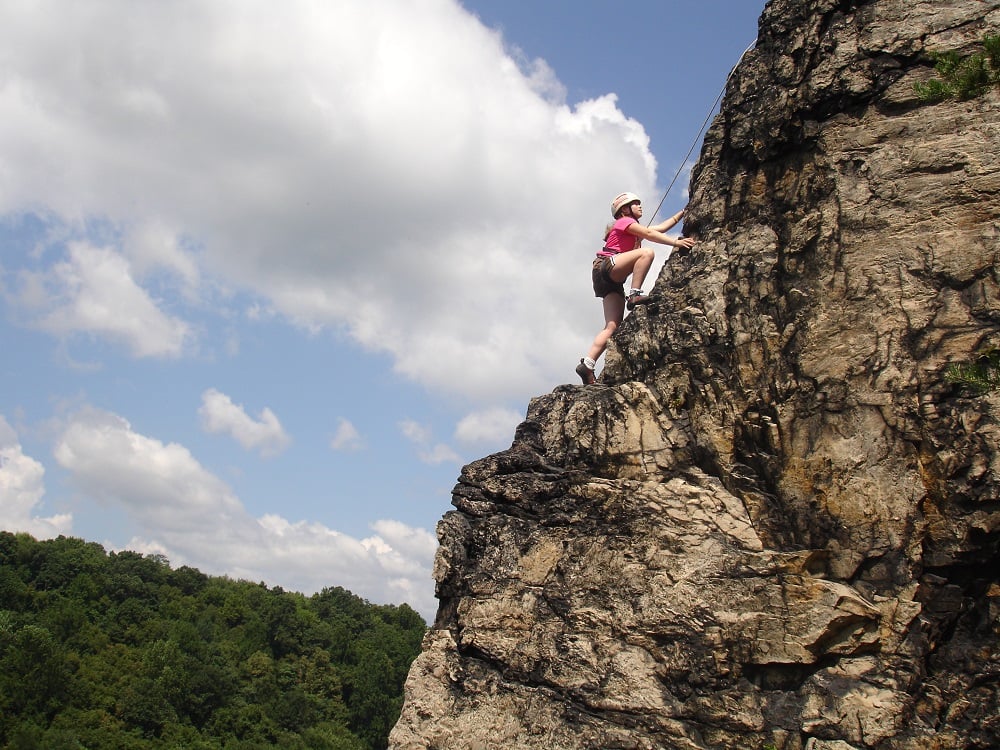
614,312
635,262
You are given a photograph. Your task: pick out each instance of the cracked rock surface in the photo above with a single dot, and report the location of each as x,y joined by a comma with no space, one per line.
774,522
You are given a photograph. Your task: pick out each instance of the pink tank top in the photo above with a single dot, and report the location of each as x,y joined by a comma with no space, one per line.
620,241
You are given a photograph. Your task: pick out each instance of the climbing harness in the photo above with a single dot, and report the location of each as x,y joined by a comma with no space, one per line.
700,131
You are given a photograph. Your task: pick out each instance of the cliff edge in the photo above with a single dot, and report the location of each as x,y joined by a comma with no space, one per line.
775,523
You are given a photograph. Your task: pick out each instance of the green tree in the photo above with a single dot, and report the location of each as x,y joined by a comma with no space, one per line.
980,375
119,652
963,78
373,710
34,673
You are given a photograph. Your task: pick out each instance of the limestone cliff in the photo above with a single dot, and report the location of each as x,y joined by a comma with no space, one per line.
774,522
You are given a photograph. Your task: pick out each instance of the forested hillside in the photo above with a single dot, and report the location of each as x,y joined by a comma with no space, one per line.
119,651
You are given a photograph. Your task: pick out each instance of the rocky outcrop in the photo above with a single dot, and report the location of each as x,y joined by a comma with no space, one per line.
773,523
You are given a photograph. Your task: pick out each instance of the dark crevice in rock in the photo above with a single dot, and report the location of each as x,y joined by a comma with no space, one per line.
784,677
973,579
944,280
574,702
883,573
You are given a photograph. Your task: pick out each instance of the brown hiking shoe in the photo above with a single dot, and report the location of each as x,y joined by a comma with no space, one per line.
585,373
636,298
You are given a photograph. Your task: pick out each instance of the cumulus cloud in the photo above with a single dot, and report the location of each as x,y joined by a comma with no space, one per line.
152,246
220,415
398,545
185,512
488,427
347,437
93,291
22,486
428,451
327,158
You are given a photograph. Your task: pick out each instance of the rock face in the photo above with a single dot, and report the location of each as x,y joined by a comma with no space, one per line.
774,523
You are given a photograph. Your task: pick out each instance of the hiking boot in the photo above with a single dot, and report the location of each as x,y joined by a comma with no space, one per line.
585,373
636,298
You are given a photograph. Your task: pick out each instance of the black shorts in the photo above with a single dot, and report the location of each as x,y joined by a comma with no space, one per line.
603,283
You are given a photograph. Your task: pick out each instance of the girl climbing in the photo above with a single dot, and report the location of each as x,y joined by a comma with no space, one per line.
621,256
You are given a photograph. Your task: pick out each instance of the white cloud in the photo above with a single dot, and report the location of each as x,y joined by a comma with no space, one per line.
411,542
398,545
488,427
92,291
422,439
347,437
220,415
22,486
183,511
331,158
161,486
415,432
439,453
152,246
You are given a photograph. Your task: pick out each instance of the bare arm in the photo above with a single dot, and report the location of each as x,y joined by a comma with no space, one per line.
653,235
670,223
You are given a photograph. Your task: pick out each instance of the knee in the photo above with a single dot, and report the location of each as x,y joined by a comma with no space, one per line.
611,326
648,254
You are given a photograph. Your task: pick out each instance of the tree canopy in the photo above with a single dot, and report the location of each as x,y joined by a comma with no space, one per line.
119,651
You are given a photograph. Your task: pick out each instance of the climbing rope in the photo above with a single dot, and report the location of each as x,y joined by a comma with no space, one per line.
700,131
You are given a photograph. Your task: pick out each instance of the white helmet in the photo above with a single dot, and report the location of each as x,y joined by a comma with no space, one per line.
622,200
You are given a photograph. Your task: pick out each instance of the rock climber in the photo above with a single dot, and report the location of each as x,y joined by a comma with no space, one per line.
621,256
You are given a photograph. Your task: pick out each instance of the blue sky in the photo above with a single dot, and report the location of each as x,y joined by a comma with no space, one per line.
271,273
